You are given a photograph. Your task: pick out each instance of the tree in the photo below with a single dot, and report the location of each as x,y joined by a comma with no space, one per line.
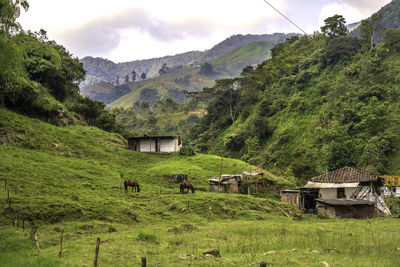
392,39
368,28
164,69
133,75
143,76
335,26
126,79
10,10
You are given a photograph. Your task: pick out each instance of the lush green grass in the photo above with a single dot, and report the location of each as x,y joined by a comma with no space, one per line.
277,241
74,172
70,177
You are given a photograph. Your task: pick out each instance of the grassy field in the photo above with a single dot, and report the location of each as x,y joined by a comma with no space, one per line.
278,241
70,177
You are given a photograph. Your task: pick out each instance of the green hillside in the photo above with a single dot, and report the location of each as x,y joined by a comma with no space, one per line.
320,102
251,54
70,178
62,173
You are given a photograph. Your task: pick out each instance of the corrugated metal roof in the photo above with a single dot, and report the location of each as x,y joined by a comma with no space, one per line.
345,175
345,202
330,185
154,136
252,173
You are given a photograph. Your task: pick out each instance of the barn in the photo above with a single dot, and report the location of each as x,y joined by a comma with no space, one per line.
156,144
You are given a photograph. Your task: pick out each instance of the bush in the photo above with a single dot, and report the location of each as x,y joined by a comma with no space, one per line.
187,150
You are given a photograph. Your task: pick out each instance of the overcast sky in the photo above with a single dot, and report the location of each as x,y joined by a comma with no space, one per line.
125,30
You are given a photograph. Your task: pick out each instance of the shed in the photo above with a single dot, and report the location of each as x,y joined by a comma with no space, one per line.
346,208
158,144
226,183
290,196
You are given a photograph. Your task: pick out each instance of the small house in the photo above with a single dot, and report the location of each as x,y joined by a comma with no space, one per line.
330,192
157,144
226,183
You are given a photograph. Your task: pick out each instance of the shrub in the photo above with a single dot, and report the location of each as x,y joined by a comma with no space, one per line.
187,150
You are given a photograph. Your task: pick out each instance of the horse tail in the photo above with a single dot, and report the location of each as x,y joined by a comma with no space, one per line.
126,186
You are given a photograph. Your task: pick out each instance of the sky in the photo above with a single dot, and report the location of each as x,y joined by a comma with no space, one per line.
126,30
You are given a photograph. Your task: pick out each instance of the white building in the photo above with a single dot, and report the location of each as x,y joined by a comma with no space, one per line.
157,144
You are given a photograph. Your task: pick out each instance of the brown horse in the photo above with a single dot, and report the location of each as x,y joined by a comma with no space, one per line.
132,183
186,185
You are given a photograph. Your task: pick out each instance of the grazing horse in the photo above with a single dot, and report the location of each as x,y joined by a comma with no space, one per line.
186,185
132,183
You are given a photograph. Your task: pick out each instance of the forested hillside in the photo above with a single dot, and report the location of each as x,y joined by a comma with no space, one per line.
323,101
40,78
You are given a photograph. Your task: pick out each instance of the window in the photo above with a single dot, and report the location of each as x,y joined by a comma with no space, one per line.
340,193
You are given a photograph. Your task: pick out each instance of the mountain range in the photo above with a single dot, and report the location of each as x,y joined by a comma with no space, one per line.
227,58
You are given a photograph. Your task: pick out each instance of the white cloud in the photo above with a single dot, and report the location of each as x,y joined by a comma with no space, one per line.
125,30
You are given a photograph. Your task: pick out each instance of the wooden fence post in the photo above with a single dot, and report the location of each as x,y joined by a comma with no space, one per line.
61,243
35,238
5,184
160,189
23,224
263,264
96,255
143,261
33,230
8,195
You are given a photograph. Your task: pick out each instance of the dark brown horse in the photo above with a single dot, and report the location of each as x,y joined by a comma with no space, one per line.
186,185
132,183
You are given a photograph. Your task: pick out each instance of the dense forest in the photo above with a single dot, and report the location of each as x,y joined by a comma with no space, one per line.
40,78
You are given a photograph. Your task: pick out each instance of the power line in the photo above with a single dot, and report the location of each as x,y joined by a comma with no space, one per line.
285,17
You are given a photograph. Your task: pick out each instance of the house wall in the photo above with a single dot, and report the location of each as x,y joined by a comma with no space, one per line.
356,211
165,145
169,145
326,211
331,193
292,198
146,145
224,188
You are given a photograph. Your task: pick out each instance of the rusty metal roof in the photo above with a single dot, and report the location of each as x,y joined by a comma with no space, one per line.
225,178
345,202
345,175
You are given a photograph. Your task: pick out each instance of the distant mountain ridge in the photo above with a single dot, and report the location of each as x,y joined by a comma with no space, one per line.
100,69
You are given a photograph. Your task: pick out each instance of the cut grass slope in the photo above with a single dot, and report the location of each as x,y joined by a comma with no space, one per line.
74,172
